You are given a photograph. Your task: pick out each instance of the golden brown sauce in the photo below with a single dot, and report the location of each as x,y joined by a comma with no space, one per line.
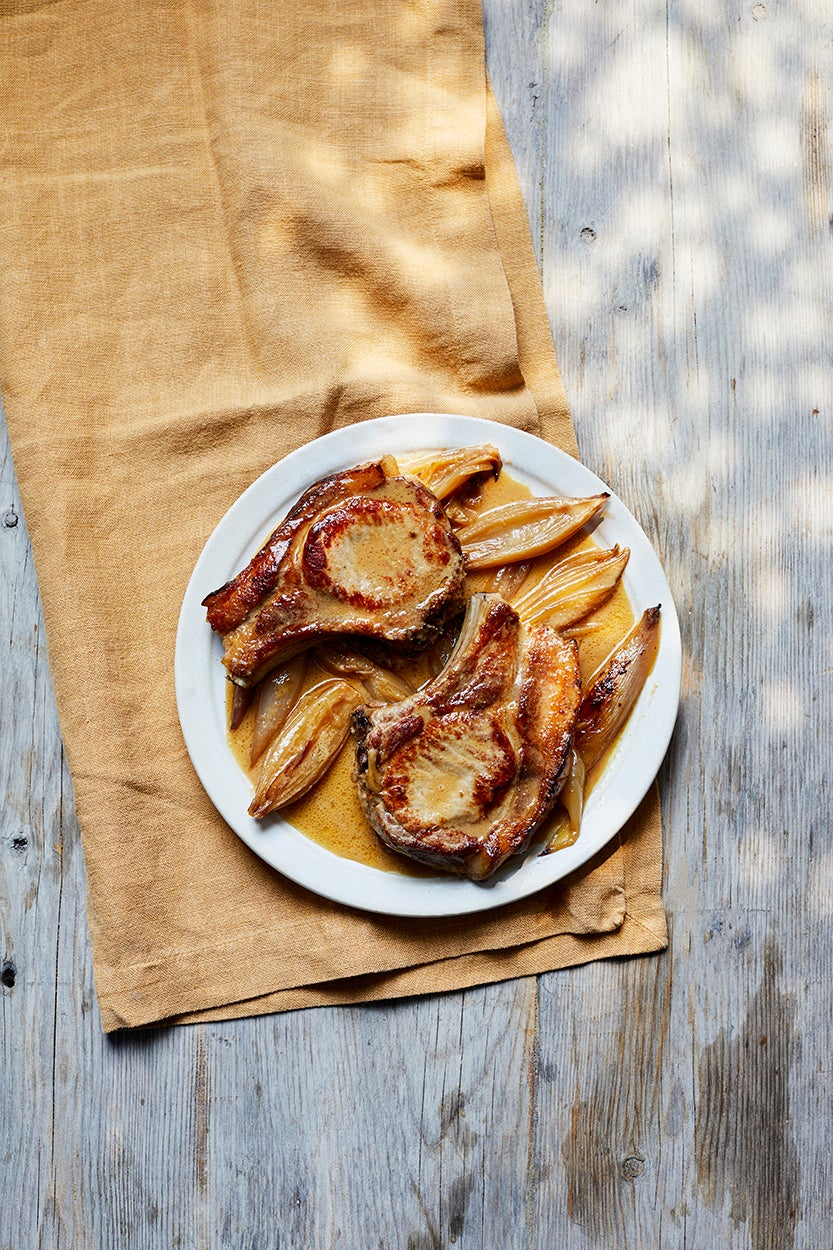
331,815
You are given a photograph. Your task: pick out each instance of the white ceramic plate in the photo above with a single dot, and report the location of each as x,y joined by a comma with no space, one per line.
201,684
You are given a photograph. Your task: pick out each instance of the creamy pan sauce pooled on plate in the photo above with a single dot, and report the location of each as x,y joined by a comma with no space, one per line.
428,665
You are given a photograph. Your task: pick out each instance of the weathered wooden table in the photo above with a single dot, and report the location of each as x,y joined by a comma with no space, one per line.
676,162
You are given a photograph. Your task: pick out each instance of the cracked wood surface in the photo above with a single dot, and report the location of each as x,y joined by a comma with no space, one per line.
675,160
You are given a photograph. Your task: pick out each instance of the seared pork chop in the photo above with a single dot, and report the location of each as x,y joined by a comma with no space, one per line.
460,774
366,553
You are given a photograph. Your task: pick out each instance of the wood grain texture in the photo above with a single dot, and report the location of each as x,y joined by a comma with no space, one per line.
676,164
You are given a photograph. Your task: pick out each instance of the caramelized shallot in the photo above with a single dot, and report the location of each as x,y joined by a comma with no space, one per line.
608,702
570,590
444,472
276,696
527,528
614,688
241,701
568,826
461,510
508,579
308,744
381,684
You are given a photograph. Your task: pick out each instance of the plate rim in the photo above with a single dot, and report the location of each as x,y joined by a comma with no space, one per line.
311,865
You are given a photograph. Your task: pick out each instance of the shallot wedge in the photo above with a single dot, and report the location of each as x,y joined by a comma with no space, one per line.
308,744
568,825
523,529
609,699
381,684
614,688
460,509
277,694
570,590
444,472
508,579
241,701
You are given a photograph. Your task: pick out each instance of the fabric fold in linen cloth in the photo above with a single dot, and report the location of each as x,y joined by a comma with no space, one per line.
227,230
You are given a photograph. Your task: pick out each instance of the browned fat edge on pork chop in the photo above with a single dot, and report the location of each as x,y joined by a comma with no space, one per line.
229,606
461,774
366,553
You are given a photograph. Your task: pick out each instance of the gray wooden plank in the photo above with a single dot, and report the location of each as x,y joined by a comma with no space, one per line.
314,1129
514,35
598,1104
31,880
694,330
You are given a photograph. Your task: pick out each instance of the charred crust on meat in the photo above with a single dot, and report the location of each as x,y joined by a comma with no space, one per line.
496,726
366,553
229,605
332,557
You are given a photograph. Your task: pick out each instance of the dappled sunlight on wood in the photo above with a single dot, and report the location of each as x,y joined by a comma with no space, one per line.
682,203
763,857
772,592
782,704
810,500
820,895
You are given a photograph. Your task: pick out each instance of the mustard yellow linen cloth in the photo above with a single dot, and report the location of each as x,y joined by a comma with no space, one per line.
227,228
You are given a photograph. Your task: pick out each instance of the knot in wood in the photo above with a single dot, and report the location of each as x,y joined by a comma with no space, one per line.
633,1166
